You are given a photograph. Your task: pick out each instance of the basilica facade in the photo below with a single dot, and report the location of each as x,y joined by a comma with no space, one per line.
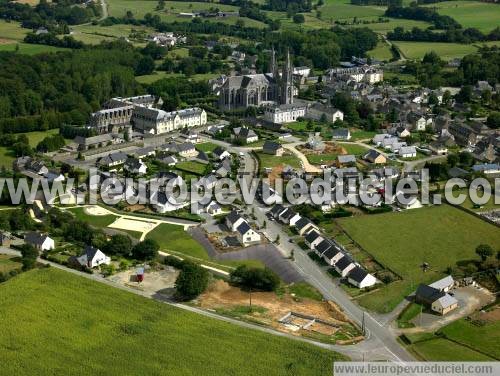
273,88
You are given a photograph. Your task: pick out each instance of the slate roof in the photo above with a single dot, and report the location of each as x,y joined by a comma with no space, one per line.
428,294
233,217
324,245
243,228
302,223
312,236
357,274
35,238
343,263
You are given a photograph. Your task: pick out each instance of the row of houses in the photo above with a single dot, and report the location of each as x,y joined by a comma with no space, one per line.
324,248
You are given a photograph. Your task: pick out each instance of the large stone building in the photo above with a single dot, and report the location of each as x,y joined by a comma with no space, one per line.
141,112
271,88
365,74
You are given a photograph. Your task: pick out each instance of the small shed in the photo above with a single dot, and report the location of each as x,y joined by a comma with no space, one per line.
139,272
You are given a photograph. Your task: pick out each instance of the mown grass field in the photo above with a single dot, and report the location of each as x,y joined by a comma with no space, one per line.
270,161
482,338
442,350
447,51
207,147
94,34
440,235
98,221
381,52
480,15
54,322
174,238
192,166
11,32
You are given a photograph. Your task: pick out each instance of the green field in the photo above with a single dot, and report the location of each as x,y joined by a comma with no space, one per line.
8,263
30,49
207,147
118,8
174,238
482,338
192,166
158,75
54,322
447,51
353,149
403,241
98,221
381,52
480,15
94,34
441,350
270,161
11,31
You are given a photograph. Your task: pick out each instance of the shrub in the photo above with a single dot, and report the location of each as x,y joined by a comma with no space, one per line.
191,282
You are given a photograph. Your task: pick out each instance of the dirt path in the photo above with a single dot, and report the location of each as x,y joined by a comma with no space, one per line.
308,167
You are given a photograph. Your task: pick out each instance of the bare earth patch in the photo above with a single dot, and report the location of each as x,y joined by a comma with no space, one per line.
155,282
270,308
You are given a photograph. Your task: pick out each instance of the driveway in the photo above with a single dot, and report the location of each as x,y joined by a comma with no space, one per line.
305,163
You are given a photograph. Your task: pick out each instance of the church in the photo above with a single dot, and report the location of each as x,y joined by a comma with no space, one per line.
240,92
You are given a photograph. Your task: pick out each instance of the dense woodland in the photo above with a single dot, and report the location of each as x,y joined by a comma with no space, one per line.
45,91
423,14
55,16
466,36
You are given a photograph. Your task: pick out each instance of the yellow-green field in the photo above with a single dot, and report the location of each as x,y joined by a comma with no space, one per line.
447,51
54,322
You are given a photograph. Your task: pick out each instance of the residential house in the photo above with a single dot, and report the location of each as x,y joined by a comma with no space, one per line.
293,220
332,255
436,296
379,138
304,225
273,148
286,215
42,242
169,160
220,153
438,148
361,278
345,160
37,167
214,208
93,257
189,135
375,157
407,152
144,152
464,135
245,135
113,159
276,210
321,112
246,235
202,157
313,238
233,220
341,134
187,150
322,247
344,266
487,168
135,166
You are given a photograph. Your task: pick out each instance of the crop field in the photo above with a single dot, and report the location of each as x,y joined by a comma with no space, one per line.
54,322
403,241
480,15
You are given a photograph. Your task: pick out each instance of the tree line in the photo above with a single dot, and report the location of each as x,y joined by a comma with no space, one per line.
469,35
423,14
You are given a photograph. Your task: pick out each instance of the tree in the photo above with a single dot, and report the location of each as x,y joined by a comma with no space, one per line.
146,65
466,158
484,251
146,250
452,159
255,278
191,282
29,255
493,120
299,18
118,245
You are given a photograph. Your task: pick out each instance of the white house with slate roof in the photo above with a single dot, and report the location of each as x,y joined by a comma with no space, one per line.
245,135
93,257
361,278
233,220
40,241
246,235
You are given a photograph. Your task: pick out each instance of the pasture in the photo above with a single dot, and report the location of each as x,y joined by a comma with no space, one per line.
447,51
8,263
480,15
403,241
55,322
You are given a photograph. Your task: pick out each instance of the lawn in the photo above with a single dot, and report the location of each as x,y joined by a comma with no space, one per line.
8,263
98,221
440,349
480,15
353,149
359,134
270,161
207,147
192,166
6,157
408,314
174,238
55,322
482,338
440,235
447,51
35,137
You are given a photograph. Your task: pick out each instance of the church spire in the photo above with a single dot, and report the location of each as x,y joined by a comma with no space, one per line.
272,63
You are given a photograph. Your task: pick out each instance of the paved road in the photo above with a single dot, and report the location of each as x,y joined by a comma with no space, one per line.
379,334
